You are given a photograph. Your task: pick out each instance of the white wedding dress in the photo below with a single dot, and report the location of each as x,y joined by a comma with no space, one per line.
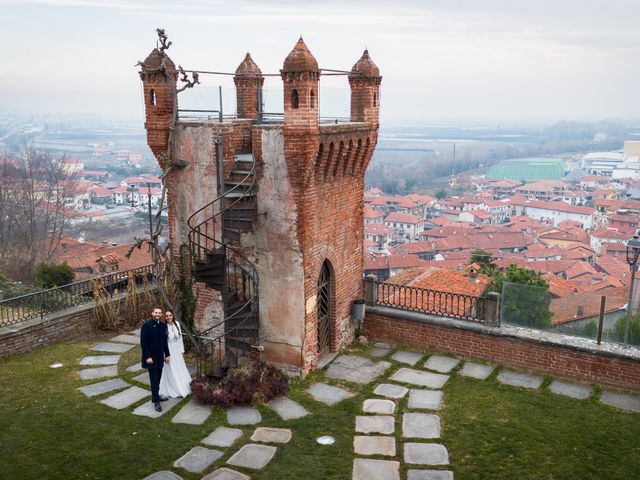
175,380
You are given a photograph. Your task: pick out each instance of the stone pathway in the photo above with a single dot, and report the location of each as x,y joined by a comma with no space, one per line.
410,397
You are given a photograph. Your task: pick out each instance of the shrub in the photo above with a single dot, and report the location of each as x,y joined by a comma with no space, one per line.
249,384
50,275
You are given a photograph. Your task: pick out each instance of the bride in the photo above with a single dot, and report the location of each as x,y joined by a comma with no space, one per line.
175,380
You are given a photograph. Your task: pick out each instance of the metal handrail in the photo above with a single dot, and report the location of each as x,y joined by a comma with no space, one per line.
38,304
432,302
204,239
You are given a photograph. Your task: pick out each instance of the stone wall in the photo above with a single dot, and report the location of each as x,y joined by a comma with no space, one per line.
543,352
71,324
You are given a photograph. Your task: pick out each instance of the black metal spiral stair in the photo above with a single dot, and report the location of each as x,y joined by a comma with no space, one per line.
219,262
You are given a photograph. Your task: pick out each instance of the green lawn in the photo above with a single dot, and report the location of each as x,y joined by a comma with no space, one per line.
48,429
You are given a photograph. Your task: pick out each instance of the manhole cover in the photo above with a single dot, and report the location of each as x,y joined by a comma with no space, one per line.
325,440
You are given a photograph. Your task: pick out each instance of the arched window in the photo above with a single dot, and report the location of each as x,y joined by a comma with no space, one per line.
294,98
324,308
152,97
312,100
375,99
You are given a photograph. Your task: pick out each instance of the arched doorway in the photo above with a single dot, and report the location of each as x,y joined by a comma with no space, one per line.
324,309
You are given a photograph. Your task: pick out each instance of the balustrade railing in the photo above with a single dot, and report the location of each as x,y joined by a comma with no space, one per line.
38,304
432,302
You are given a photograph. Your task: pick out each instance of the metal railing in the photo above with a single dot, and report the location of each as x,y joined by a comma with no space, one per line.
39,304
432,302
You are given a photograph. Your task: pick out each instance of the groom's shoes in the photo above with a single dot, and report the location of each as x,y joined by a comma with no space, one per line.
157,406
163,398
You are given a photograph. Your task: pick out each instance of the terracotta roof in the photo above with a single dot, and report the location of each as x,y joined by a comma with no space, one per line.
377,229
87,255
371,213
610,234
403,218
441,280
420,198
585,305
579,269
387,200
556,206
557,286
617,217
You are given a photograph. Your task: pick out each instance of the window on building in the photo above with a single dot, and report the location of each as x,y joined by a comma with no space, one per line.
312,100
294,98
152,97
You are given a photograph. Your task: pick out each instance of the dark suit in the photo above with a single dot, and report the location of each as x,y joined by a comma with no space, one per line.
153,341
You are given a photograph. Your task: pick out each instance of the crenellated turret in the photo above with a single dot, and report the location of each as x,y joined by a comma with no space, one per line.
249,80
159,77
300,75
365,91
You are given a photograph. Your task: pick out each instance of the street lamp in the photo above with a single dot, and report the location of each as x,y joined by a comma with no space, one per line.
633,252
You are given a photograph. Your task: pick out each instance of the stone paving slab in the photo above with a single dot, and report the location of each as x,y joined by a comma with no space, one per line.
288,409
130,339
253,456
328,394
410,358
354,368
384,424
479,371
390,390
135,332
243,416
136,367
163,475
99,372
426,399
375,405
193,413
142,378
374,445
126,398
441,363
226,474
147,409
197,459
378,352
573,390
517,379
623,401
103,387
112,347
100,360
222,437
429,475
425,454
420,378
271,435
420,425
366,469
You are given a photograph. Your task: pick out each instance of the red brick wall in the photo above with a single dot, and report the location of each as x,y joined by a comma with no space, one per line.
564,361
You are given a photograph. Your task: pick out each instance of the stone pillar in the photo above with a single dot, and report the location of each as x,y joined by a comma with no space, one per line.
492,310
370,290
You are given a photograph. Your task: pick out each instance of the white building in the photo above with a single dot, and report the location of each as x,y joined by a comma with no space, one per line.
554,212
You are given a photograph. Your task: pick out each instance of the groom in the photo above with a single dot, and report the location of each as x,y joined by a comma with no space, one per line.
155,352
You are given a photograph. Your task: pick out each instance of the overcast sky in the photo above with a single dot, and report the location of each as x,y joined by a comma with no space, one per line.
441,60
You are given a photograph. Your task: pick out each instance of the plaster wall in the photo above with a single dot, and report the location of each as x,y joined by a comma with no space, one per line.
279,257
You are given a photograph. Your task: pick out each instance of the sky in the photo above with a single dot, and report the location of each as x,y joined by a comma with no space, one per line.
441,60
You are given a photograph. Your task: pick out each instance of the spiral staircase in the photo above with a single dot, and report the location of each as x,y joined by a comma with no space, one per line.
219,262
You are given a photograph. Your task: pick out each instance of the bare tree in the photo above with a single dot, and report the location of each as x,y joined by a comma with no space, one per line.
33,216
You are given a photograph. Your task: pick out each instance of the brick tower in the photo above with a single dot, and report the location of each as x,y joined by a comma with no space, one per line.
304,179
249,80
159,77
